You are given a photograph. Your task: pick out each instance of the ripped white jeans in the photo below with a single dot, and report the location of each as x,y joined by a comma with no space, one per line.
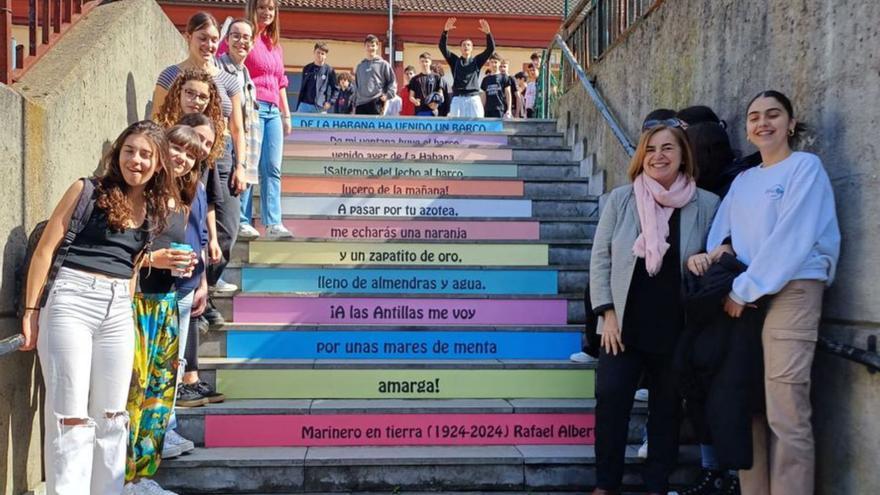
86,349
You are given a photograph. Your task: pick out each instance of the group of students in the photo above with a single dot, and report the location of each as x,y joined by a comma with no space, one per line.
118,286
706,276
373,89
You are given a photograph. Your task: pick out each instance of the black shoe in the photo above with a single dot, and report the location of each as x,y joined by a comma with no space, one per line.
202,325
215,319
208,392
710,483
188,396
731,485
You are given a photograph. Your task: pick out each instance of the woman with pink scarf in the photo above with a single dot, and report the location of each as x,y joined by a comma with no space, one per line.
647,231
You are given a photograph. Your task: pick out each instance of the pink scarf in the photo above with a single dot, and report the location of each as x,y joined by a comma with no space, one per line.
655,205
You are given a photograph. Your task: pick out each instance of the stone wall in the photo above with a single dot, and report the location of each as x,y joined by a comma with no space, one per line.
824,56
57,121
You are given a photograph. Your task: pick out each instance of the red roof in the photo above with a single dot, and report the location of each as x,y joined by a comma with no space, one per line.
537,8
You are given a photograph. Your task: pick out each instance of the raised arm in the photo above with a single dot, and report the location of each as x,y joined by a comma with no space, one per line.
451,58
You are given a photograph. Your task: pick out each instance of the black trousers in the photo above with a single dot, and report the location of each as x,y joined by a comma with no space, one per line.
370,108
616,382
191,353
228,212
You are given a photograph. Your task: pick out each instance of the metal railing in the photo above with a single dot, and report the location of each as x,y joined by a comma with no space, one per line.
554,83
594,26
47,21
867,357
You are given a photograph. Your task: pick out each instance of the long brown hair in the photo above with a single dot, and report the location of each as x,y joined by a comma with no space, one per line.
688,166
273,31
171,111
187,184
112,189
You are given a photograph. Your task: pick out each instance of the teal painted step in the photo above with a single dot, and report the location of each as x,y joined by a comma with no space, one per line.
330,281
416,344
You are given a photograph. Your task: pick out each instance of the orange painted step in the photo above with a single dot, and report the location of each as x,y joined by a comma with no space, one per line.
343,186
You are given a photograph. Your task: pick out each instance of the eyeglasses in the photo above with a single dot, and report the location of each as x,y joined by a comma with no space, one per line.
196,96
241,38
650,124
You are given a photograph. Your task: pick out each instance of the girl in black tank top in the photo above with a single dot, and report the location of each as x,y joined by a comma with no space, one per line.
87,321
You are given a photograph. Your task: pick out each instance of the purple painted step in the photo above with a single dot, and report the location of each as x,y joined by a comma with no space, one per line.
413,139
399,311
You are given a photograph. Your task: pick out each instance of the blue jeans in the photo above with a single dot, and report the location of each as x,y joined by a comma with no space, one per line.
307,108
269,169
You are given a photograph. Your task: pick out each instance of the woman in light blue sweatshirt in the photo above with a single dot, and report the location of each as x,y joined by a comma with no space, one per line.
779,218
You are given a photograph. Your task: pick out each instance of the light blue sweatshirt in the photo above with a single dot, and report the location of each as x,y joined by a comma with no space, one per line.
783,225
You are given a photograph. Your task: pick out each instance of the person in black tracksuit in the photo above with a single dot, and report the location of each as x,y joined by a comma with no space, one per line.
466,71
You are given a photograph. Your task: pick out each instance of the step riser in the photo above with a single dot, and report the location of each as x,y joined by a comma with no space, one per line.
328,281
405,383
432,188
193,428
574,314
580,209
548,171
567,230
536,141
381,253
566,282
404,153
410,230
347,138
387,311
334,123
556,190
398,430
416,345
441,208
329,168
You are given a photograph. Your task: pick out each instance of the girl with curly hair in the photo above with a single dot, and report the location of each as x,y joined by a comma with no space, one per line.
84,333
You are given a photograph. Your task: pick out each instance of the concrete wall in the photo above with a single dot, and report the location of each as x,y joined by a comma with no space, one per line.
57,121
824,55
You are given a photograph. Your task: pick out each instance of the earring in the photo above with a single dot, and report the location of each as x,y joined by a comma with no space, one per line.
791,132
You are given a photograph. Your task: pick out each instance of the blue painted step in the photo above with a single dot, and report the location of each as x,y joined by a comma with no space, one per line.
404,344
399,281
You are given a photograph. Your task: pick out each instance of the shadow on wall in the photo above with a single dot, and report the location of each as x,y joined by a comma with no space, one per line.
21,386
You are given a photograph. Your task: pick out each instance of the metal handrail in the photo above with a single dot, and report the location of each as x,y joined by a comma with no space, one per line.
616,129
867,357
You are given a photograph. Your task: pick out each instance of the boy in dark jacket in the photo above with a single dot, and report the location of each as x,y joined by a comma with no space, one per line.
342,104
318,88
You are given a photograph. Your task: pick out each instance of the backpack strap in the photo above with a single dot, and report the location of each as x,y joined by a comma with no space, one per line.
85,204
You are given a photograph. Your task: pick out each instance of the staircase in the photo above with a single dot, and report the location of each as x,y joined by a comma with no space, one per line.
415,334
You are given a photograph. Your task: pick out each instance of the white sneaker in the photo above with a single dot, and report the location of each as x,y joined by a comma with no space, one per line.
171,451
173,439
643,451
247,232
145,486
582,357
223,286
275,232
642,395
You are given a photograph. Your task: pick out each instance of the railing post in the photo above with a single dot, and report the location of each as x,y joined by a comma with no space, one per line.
6,41
56,16
45,21
67,10
32,27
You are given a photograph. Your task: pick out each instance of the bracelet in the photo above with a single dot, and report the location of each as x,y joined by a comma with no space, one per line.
31,309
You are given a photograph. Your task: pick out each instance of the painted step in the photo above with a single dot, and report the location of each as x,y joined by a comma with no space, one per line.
342,138
411,344
569,306
401,311
391,124
398,430
216,343
470,469
381,383
396,281
309,166
396,153
412,229
406,207
555,189
387,253
432,188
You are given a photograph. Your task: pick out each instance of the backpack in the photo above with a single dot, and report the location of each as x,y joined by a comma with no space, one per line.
78,220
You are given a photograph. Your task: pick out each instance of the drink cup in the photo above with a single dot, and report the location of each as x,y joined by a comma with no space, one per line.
182,270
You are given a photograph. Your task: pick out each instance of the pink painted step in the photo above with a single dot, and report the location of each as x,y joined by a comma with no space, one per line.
398,430
410,229
398,311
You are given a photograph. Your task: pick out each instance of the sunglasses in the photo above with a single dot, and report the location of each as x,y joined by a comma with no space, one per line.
650,124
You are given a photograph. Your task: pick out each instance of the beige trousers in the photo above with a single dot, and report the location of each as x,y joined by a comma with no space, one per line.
784,456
